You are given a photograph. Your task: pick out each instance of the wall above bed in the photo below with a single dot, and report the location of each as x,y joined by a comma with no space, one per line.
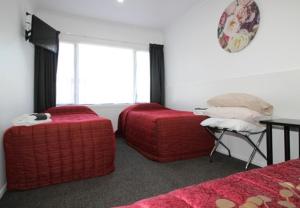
89,30
197,68
95,31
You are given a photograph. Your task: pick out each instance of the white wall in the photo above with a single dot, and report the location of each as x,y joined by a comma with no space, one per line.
111,111
197,68
76,28
16,66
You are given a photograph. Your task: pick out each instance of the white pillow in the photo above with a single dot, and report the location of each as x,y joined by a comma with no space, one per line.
232,124
240,113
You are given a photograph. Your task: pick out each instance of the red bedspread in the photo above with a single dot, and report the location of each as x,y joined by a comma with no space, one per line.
163,134
78,144
263,183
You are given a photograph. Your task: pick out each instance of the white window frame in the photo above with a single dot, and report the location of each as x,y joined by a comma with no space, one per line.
101,43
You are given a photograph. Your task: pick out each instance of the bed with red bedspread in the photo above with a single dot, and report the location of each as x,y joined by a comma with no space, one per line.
77,144
270,187
164,135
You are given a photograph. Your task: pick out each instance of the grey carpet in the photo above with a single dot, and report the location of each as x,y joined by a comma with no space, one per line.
135,178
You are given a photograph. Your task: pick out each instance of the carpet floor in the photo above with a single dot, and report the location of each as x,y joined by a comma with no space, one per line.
135,178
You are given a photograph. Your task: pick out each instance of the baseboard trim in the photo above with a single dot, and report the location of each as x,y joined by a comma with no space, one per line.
2,191
242,157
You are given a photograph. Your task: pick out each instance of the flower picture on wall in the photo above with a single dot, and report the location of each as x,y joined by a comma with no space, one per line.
238,25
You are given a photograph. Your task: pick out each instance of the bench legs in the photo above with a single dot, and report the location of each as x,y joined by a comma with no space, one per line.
255,149
246,137
218,142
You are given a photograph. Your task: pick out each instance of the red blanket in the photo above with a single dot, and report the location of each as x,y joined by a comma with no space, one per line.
77,144
163,134
263,188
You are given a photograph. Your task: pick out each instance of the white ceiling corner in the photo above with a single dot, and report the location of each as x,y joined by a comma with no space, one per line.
146,13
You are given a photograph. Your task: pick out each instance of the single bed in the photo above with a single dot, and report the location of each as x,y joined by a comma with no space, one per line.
77,144
274,186
164,135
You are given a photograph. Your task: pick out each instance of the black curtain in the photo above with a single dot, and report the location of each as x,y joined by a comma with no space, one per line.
45,70
157,68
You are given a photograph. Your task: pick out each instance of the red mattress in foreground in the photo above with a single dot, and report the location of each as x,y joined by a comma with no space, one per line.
163,134
270,187
77,144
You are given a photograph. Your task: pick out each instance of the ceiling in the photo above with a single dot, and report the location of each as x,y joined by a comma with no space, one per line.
146,13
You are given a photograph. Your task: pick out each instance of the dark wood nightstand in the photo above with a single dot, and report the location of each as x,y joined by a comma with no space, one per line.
287,124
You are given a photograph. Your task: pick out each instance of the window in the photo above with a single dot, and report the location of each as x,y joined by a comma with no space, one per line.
96,74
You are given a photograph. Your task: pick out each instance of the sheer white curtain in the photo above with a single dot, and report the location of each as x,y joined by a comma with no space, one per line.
65,85
142,77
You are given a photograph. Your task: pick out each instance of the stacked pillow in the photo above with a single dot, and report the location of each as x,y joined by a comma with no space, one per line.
242,100
242,112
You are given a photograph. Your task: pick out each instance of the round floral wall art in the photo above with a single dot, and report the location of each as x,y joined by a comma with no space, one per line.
238,25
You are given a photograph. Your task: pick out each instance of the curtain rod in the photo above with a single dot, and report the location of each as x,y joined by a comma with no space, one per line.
105,39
